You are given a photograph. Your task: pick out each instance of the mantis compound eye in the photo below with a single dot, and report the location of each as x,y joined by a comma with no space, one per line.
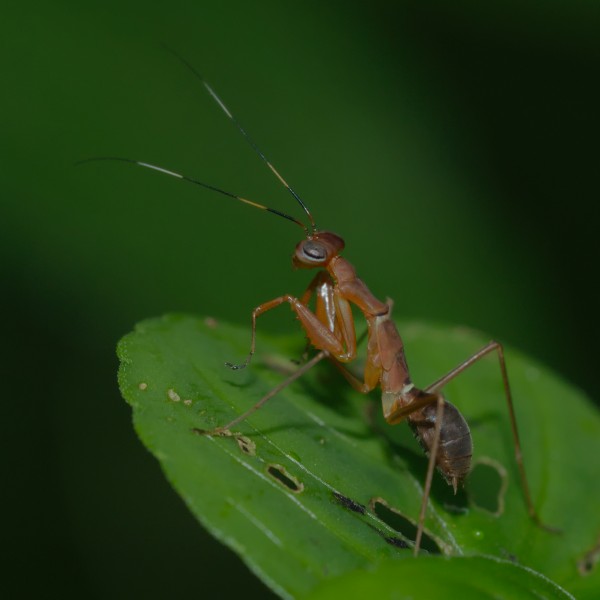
314,251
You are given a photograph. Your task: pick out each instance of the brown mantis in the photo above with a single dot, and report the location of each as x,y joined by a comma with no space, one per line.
438,425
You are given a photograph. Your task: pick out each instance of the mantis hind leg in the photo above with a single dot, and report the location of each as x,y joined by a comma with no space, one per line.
497,347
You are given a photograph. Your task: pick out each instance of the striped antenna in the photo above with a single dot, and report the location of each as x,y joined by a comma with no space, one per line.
256,149
196,182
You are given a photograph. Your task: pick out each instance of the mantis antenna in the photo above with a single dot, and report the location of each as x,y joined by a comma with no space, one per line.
256,149
196,182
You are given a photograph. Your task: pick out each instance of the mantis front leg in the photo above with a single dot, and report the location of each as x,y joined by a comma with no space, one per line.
330,328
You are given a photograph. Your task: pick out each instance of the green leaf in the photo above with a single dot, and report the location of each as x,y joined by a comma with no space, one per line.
473,578
311,489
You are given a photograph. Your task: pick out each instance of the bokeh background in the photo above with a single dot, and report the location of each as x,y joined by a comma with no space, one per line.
454,147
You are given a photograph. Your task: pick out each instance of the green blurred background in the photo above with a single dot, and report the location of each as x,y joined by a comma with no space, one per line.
455,149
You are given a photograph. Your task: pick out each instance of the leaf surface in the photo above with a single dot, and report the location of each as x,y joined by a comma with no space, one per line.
467,578
315,485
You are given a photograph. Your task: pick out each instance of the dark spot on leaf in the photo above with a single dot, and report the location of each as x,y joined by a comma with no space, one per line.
588,563
392,540
279,474
349,503
397,521
506,555
486,486
395,541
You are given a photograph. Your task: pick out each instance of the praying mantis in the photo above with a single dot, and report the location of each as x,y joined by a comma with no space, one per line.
329,325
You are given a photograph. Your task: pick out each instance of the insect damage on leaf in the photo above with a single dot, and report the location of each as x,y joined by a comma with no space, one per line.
487,484
173,395
246,445
349,503
397,521
283,477
588,563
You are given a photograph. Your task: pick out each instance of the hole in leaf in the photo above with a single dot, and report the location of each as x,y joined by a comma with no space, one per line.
349,503
247,446
279,474
398,522
486,486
